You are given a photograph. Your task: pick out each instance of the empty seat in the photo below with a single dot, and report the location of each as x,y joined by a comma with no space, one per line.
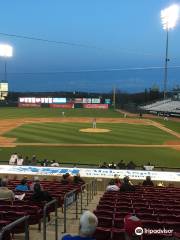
104,222
102,233
117,234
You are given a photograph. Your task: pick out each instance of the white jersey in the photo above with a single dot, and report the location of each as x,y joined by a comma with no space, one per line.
55,164
13,159
20,161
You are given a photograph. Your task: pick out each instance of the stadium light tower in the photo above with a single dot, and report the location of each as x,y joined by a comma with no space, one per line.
6,51
169,18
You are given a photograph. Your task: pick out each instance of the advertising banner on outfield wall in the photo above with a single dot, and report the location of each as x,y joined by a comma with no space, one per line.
96,100
42,100
29,105
86,100
66,105
59,100
100,106
78,100
90,172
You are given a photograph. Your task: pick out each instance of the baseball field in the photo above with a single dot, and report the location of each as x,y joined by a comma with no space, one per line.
69,137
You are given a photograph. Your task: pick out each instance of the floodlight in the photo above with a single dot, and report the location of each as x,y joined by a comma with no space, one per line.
6,50
170,16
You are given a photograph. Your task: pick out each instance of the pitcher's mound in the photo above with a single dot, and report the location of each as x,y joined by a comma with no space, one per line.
94,130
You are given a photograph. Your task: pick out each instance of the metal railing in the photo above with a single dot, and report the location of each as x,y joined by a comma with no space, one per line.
86,194
45,215
91,190
70,198
10,226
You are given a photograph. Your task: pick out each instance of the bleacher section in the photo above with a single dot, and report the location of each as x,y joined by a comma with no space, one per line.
157,207
164,106
10,211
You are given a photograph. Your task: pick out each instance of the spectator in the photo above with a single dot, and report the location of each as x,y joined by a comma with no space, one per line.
26,161
77,179
22,186
130,224
127,186
148,182
112,186
34,160
13,159
117,180
121,165
112,165
54,163
39,195
104,165
160,184
5,193
148,167
45,163
131,165
20,160
36,180
66,178
88,224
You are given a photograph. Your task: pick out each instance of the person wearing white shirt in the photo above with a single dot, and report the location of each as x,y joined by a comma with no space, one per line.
54,164
112,186
13,159
20,161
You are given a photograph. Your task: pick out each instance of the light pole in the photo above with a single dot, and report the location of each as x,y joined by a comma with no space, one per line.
6,51
169,17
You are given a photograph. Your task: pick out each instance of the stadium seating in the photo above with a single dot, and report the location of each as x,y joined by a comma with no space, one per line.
157,207
167,106
11,211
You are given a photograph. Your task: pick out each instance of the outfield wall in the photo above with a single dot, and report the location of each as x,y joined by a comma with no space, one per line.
63,102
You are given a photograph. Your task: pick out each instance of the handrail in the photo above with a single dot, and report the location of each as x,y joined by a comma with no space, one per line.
15,223
75,192
81,196
53,202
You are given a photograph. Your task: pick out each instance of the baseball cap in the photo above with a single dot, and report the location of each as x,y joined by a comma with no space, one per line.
88,223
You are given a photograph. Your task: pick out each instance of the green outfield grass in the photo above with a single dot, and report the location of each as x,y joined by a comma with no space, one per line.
7,113
175,126
158,156
69,133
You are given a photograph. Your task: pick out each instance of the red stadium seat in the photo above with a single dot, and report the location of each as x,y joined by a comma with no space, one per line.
151,224
103,213
118,223
106,207
117,234
155,236
102,233
104,222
